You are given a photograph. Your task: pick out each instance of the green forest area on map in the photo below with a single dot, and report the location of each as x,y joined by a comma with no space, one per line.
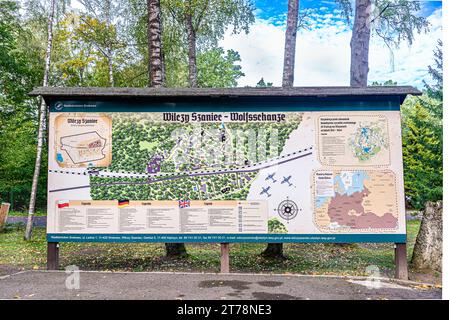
169,151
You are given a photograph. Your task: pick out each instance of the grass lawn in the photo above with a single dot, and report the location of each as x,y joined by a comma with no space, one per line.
24,213
17,254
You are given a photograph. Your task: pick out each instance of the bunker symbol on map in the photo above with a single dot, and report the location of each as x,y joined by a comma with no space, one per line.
84,147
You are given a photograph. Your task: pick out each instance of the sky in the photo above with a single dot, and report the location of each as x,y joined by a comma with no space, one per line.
323,50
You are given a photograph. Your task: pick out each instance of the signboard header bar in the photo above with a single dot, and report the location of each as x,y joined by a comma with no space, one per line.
96,92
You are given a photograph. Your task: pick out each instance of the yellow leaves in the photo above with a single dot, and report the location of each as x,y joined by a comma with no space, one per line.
423,286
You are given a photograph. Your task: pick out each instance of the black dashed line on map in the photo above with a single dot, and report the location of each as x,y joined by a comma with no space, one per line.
143,175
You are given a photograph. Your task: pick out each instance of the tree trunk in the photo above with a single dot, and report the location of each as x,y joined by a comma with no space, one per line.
290,43
274,250
361,33
175,250
109,50
111,74
156,78
155,67
41,129
191,36
428,251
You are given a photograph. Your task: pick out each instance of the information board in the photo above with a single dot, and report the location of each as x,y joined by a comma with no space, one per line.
309,176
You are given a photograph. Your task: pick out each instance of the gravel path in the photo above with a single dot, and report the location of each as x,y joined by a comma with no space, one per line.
167,286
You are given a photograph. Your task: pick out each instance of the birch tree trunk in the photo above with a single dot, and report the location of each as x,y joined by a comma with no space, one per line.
156,78
109,49
42,123
191,37
361,33
428,251
110,67
155,67
290,43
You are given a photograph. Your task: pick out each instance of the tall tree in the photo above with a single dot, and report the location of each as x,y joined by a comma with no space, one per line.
423,140
42,123
191,38
155,58
101,20
290,43
391,20
275,250
206,21
423,166
156,79
436,72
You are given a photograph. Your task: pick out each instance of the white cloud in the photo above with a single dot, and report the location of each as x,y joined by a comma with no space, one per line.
323,54
261,50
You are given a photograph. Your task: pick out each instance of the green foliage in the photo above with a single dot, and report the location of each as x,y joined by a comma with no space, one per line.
392,20
436,90
217,69
20,71
422,153
396,20
388,83
275,226
81,47
423,139
16,71
262,84
211,18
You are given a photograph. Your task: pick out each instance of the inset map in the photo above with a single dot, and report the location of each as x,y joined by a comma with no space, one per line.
84,147
83,140
355,201
368,140
354,140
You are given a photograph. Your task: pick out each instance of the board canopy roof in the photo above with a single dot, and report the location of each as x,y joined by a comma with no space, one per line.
100,93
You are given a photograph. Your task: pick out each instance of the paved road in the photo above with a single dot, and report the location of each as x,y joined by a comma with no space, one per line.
184,286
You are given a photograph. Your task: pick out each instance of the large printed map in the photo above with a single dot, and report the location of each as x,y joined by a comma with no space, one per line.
288,173
169,160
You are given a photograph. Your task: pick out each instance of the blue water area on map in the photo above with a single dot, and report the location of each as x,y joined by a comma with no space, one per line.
319,201
59,157
356,185
365,131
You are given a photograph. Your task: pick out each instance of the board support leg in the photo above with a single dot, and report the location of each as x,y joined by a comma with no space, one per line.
224,258
52,255
400,260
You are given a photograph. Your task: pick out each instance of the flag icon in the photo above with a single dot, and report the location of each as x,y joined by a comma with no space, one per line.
63,204
184,203
123,203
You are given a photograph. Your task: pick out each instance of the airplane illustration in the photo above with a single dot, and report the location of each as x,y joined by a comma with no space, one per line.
265,190
287,180
271,177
